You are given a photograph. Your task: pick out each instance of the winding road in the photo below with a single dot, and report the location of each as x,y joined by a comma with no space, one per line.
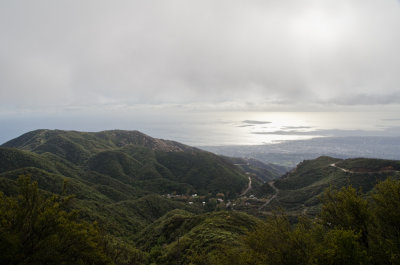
248,188
271,183
354,172
342,169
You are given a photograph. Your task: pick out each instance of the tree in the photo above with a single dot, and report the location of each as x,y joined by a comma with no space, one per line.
278,242
346,209
38,229
340,247
386,210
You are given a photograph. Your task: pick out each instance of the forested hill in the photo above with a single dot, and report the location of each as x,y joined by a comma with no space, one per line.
300,189
129,157
87,143
119,178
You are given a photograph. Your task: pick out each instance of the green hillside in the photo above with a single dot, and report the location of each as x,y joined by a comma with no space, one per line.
264,172
299,190
180,235
152,201
117,177
129,157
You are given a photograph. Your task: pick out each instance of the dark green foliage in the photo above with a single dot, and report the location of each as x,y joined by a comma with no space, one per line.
263,190
301,187
115,164
181,237
65,148
124,254
113,173
340,247
121,179
375,221
167,229
276,242
217,174
346,209
349,230
130,157
386,210
35,229
307,173
369,165
11,159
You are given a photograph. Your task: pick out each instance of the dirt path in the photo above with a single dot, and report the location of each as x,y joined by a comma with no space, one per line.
367,172
304,212
248,188
342,169
271,183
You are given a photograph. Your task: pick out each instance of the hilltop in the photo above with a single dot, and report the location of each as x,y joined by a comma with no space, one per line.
129,157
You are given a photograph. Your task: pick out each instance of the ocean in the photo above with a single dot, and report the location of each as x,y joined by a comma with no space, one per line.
211,128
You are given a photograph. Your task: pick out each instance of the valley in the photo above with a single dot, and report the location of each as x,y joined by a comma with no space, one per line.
168,202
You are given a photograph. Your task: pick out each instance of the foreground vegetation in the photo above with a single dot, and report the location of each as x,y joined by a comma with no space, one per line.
352,228
38,228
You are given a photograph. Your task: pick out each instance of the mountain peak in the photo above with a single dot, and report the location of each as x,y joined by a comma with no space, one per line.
37,139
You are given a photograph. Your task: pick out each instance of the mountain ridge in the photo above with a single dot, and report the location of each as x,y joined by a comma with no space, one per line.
118,177
301,188
129,156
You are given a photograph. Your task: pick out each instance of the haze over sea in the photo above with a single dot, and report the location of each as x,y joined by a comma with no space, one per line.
211,128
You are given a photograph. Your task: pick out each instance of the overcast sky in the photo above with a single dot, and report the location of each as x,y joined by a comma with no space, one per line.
232,54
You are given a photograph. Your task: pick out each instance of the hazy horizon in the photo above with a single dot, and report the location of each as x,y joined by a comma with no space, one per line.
218,128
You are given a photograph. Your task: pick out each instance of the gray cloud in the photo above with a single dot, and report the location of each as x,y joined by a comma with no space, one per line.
391,131
391,119
296,127
292,132
78,53
252,122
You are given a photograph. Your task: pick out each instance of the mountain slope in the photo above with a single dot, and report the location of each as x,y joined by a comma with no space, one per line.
118,176
133,157
90,142
179,235
299,189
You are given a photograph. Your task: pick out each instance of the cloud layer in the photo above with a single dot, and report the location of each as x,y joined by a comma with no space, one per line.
82,53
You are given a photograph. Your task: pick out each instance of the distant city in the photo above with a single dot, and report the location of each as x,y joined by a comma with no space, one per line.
290,153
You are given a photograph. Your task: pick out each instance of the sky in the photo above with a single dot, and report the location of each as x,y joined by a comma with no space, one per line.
72,59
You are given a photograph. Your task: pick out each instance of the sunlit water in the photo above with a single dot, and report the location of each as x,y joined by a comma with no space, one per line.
201,128
265,128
